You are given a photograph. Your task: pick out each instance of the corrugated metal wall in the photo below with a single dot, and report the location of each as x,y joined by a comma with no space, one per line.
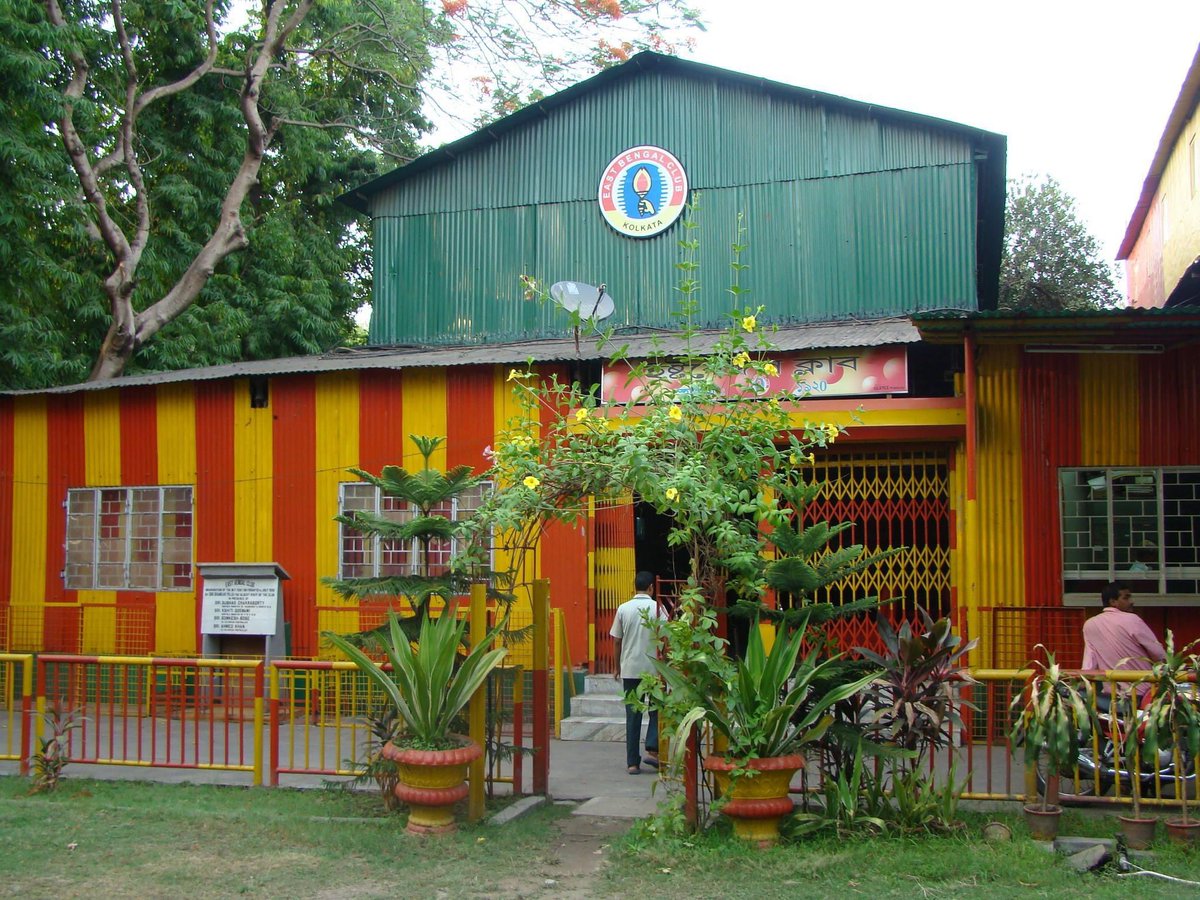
1042,412
846,215
266,489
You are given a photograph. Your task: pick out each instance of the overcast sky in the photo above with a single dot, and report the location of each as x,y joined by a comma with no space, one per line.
1082,90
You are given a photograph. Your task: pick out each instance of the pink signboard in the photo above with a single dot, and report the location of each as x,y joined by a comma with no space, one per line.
828,373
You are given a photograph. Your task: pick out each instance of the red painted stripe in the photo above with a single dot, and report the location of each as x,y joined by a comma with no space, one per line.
214,495
470,414
381,438
1050,425
1169,409
65,468
294,412
139,436
6,499
564,555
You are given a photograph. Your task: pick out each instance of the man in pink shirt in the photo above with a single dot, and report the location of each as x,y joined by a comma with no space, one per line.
1118,638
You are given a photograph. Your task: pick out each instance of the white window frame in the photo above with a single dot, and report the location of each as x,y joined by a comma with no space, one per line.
84,571
376,550
1151,558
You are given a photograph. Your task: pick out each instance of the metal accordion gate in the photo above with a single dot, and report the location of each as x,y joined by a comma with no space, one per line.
896,497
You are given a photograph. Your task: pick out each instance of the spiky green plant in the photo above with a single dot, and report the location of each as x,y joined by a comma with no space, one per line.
430,681
1172,717
1053,714
764,705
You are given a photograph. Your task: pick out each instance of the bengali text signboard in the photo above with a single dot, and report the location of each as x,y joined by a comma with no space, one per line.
861,371
239,605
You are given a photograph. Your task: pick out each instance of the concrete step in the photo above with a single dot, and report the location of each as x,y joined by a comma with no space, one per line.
610,706
595,728
601,684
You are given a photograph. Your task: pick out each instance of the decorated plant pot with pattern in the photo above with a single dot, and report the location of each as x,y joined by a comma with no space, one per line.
431,782
757,793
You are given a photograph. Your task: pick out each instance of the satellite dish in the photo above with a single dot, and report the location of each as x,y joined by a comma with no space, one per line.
589,301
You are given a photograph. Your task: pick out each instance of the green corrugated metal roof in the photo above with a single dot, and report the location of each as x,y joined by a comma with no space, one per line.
359,197
852,210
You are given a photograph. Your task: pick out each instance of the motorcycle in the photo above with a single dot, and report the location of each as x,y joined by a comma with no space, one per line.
1100,767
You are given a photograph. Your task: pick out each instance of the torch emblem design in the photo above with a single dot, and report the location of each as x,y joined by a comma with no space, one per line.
641,184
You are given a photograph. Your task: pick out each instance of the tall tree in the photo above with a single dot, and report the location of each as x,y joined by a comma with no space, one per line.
171,163
1051,261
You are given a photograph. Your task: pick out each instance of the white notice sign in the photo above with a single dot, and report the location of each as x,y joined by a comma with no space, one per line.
239,605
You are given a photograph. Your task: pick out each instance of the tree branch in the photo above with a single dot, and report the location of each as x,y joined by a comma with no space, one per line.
229,235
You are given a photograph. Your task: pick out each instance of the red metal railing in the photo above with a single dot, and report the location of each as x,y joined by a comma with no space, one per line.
16,707
141,711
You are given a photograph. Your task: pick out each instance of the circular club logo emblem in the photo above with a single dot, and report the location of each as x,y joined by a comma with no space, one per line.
643,191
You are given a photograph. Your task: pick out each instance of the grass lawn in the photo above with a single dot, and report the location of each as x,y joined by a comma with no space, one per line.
920,866
134,839
139,839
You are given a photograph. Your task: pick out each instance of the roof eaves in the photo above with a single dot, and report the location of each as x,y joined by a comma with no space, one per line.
788,338
359,198
1189,97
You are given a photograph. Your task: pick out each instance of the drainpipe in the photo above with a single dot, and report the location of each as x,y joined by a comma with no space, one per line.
971,555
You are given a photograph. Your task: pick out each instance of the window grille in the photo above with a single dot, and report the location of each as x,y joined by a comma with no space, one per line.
1133,524
129,538
369,556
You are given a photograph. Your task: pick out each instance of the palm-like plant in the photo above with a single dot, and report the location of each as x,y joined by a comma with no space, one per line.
1051,715
426,492
766,707
1172,717
429,682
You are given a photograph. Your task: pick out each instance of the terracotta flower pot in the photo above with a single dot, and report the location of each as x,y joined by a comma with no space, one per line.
1043,823
1139,833
1186,834
756,802
431,782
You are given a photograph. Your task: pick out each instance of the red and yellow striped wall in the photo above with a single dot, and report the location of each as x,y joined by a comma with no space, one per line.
265,488
1039,412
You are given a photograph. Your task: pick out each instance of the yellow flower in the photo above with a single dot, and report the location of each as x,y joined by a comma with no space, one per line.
581,414
741,360
672,494
770,371
749,322
831,431
531,481
675,414
792,459
513,373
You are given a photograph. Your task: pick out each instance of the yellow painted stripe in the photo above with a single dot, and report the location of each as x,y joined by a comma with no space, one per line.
253,464
1000,506
102,468
102,438
508,416
1108,435
176,434
27,582
423,400
175,611
852,418
99,628
337,450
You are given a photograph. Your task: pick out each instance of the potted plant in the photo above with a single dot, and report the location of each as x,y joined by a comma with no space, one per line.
764,711
1052,715
1171,722
429,683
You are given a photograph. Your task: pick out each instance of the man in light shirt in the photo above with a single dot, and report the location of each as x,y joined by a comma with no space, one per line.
1118,638
634,645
